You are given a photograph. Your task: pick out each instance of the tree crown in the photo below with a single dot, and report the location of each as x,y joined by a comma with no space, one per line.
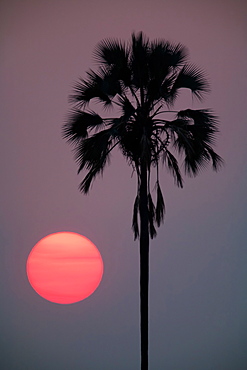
142,79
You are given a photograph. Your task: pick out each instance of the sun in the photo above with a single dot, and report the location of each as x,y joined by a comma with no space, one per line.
64,267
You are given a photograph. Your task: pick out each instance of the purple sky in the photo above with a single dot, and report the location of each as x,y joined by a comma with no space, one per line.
198,300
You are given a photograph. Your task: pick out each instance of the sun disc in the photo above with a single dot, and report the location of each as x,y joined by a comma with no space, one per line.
64,267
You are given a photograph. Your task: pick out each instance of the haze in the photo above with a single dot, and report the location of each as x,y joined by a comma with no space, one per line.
198,300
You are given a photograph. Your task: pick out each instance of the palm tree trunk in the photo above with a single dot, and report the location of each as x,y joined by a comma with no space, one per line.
144,267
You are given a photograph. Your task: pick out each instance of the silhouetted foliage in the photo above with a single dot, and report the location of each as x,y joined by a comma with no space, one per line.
140,78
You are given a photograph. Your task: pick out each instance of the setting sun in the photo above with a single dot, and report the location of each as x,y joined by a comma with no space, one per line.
64,267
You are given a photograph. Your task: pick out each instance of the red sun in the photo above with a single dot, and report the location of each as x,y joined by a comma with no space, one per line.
64,267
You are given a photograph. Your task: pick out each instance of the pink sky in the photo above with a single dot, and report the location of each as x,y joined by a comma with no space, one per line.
198,261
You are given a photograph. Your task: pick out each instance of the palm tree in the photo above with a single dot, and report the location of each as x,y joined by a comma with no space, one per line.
142,79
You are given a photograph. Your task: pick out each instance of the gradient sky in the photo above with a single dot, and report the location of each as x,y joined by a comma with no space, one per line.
198,299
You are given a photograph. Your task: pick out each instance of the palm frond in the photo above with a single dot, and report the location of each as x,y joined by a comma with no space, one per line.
195,132
179,55
93,153
192,78
201,118
111,52
180,135
102,86
160,206
114,55
217,161
151,217
88,179
135,226
173,167
165,55
93,149
78,124
88,89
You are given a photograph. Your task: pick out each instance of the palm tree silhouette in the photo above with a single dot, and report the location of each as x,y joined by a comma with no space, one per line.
142,79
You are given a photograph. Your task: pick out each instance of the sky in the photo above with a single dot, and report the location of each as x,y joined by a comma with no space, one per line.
198,274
